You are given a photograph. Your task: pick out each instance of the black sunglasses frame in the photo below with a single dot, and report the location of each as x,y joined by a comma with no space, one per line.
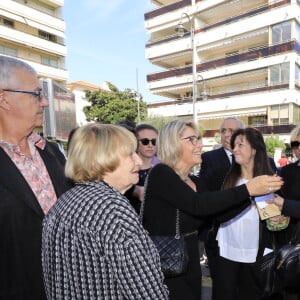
146,141
39,94
295,144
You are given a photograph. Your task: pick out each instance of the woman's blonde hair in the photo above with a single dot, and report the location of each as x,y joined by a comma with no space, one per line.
294,133
169,148
96,149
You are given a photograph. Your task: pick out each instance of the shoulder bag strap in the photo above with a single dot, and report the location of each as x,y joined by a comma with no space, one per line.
141,215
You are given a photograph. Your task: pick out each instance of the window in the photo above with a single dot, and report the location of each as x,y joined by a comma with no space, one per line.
8,51
257,121
279,114
281,32
297,75
7,22
47,36
297,34
52,62
280,74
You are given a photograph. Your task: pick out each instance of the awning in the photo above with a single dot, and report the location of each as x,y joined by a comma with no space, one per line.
223,114
45,28
173,88
232,40
24,20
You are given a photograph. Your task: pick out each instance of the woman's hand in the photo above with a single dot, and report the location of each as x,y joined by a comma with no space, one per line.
264,184
277,200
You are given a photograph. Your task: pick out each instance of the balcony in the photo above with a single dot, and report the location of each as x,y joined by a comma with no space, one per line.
226,61
226,21
28,40
165,9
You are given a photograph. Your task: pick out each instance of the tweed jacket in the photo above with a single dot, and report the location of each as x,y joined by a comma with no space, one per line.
94,247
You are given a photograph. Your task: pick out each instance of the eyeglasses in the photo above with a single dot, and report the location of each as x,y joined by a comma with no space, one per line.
193,139
39,94
295,144
145,142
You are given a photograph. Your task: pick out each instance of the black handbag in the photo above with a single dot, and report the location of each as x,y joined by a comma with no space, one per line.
287,263
172,249
265,265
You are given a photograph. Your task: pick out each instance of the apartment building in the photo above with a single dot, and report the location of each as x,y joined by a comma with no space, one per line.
34,31
240,57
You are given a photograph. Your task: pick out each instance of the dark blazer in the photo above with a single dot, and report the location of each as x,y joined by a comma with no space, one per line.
214,167
21,226
290,190
292,208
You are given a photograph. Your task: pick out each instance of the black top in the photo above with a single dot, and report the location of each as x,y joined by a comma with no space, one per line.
165,193
142,176
290,190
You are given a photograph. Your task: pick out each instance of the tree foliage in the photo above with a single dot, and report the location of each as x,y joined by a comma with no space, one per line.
158,121
273,142
114,105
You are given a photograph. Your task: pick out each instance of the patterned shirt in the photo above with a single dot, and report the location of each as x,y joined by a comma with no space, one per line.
33,169
94,247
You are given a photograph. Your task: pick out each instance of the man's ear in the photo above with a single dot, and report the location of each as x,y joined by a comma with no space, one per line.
4,104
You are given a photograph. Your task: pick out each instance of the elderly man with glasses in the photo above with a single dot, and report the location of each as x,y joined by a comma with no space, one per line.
31,179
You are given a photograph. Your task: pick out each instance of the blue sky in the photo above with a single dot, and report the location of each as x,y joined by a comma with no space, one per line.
106,42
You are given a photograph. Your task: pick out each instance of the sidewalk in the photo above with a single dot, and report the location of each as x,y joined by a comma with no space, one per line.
206,283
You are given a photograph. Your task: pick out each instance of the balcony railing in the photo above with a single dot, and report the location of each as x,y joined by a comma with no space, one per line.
234,59
223,22
165,9
248,14
241,92
268,129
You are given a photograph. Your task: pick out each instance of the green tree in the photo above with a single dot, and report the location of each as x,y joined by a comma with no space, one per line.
158,121
273,142
114,105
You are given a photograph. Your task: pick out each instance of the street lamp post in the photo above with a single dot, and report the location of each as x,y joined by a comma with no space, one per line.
203,92
138,98
181,31
138,108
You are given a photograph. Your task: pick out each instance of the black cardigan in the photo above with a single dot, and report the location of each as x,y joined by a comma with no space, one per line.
166,192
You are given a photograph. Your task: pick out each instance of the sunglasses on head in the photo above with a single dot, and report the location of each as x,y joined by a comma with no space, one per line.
295,144
145,142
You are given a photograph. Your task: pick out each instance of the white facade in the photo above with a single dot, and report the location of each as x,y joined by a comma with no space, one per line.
34,31
79,89
246,56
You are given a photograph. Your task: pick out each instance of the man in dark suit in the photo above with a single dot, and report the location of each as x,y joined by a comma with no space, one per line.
31,179
214,167
216,163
